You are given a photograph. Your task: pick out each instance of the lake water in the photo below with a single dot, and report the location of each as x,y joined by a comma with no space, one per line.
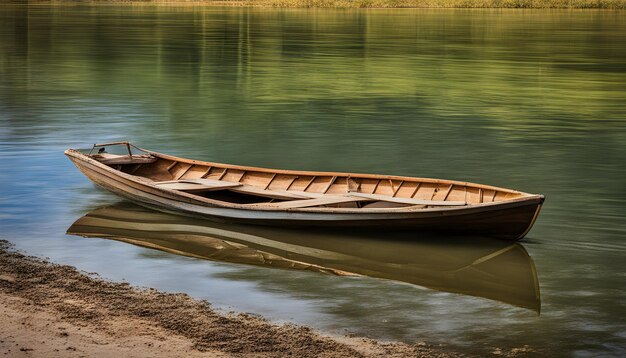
532,100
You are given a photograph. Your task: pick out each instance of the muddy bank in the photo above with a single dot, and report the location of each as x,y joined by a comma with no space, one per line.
55,310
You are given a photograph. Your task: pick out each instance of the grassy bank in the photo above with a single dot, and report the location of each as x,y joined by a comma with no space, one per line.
517,4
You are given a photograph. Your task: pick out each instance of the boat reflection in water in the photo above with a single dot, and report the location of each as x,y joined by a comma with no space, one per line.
481,267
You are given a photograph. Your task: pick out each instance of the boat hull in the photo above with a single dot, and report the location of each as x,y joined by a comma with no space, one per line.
509,220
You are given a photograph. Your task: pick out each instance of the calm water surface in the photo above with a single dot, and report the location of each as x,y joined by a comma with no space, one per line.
533,100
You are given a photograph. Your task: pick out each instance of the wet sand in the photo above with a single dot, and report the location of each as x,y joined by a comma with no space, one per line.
51,310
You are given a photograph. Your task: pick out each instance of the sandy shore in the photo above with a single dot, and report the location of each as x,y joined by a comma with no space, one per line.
50,310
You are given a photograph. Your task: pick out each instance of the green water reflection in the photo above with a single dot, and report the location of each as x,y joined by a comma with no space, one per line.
532,100
481,267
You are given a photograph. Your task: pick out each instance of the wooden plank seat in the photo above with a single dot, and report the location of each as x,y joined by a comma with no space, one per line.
410,201
213,184
272,194
196,184
305,203
114,159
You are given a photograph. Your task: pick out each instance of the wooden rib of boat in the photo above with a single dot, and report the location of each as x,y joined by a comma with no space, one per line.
493,269
304,198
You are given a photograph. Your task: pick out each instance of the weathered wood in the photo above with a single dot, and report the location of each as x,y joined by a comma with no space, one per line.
172,165
196,185
407,200
270,182
398,188
435,191
448,192
327,200
273,194
293,180
417,187
242,176
114,159
376,186
330,183
184,172
352,185
206,172
309,184
494,211
182,186
205,181
112,143
239,188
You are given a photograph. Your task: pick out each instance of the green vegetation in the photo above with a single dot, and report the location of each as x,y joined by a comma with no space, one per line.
520,4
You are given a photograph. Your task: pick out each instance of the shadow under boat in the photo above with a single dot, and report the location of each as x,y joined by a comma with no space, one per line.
481,267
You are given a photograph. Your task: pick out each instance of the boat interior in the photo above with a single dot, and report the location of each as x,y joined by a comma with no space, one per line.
283,189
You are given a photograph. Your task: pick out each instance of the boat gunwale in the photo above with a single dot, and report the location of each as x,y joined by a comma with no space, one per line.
527,199
339,174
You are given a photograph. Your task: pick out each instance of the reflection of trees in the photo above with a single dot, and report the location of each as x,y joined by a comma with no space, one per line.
20,44
14,44
496,65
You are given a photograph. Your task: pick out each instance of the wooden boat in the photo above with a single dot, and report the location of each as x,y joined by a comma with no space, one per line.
303,198
482,267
